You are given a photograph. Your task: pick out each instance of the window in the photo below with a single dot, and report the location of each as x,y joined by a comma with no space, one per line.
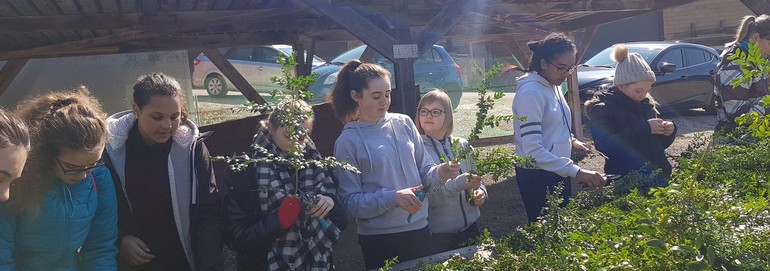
431,56
265,54
674,57
240,53
694,56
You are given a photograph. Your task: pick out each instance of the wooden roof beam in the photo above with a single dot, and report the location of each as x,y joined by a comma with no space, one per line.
445,20
546,7
9,72
758,6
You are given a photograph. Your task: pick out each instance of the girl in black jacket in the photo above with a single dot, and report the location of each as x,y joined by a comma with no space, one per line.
265,222
624,122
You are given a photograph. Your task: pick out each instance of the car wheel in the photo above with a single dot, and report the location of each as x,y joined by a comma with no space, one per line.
216,86
711,109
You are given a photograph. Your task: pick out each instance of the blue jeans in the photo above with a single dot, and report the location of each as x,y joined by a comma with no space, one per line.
533,185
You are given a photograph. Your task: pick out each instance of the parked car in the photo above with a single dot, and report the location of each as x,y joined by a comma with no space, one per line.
256,64
684,73
433,69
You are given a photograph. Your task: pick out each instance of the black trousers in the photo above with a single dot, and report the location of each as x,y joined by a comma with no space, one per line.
404,245
533,184
449,241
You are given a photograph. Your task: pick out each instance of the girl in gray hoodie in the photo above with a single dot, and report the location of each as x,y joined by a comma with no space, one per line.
395,167
454,208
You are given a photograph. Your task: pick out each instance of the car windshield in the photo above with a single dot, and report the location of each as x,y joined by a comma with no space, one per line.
602,59
316,60
346,56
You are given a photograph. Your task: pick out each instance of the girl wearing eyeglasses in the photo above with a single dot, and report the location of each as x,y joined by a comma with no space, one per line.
168,202
546,134
454,208
14,149
63,215
394,164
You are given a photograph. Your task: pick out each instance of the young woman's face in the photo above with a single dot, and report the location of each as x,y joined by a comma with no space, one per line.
637,91
557,69
764,44
374,101
159,119
12,162
431,117
73,166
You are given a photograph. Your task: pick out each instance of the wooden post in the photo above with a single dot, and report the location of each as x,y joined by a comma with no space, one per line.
235,77
9,72
192,54
406,98
588,36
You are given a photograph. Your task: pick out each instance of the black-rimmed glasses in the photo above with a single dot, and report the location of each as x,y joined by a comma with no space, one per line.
433,113
563,70
78,170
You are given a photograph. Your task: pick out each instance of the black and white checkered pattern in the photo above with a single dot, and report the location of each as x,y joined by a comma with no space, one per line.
307,245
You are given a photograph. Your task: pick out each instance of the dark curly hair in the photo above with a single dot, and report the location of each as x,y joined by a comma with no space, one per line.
548,48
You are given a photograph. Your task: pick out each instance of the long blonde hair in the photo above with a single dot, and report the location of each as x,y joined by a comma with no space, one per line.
752,24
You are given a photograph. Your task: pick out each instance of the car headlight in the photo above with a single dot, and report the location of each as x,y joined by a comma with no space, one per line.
597,89
331,79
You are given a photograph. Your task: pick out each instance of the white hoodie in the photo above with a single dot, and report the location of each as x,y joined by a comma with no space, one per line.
545,135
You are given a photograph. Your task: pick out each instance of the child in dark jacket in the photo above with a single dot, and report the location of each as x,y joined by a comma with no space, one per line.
264,221
624,122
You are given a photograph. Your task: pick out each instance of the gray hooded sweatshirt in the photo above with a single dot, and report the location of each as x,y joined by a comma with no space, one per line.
450,211
391,156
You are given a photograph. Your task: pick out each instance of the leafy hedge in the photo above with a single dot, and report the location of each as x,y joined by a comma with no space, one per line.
714,215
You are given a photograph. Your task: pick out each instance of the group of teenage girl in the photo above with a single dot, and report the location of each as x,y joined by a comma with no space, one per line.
81,190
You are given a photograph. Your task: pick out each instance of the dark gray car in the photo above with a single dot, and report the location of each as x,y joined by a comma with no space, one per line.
684,73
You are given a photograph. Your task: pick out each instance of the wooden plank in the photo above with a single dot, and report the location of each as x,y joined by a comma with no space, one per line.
89,7
415,264
222,4
68,7
186,5
86,34
81,45
358,25
101,33
25,7
129,6
167,5
52,36
149,6
597,19
46,7
406,93
192,54
235,77
448,17
7,10
155,21
9,72
757,6
522,53
204,5
110,6
239,4
588,36
492,141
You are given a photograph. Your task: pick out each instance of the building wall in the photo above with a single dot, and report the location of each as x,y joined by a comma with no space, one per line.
709,22
110,77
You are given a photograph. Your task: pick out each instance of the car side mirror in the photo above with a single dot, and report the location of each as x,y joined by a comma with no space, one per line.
666,67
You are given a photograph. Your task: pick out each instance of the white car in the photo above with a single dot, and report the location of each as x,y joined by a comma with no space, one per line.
256,64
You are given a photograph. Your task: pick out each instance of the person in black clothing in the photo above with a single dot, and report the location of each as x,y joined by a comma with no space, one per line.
169,210
624,122
265,222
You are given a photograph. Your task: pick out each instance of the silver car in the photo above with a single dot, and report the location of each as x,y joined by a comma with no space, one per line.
256,64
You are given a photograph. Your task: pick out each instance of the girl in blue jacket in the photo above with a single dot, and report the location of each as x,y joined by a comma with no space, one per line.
63,214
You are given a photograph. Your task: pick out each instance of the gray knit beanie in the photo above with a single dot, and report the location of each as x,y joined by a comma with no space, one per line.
631,67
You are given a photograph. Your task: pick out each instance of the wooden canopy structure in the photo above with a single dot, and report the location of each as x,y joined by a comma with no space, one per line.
32,29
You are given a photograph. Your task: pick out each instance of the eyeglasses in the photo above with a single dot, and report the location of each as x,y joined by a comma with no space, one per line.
78,170
433,113
561,69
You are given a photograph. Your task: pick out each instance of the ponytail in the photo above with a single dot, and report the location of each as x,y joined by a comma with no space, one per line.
354,76
752,24
548,48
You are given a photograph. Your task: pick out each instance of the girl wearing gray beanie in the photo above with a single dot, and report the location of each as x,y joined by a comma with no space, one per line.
624,122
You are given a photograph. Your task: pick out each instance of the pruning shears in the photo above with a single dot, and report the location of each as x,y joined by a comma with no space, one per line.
421,196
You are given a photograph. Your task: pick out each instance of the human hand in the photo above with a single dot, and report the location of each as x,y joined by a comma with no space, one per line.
449,170
668,127
590,178
134,251
580,146
479,197
407,200
473,182
656,126
322,207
